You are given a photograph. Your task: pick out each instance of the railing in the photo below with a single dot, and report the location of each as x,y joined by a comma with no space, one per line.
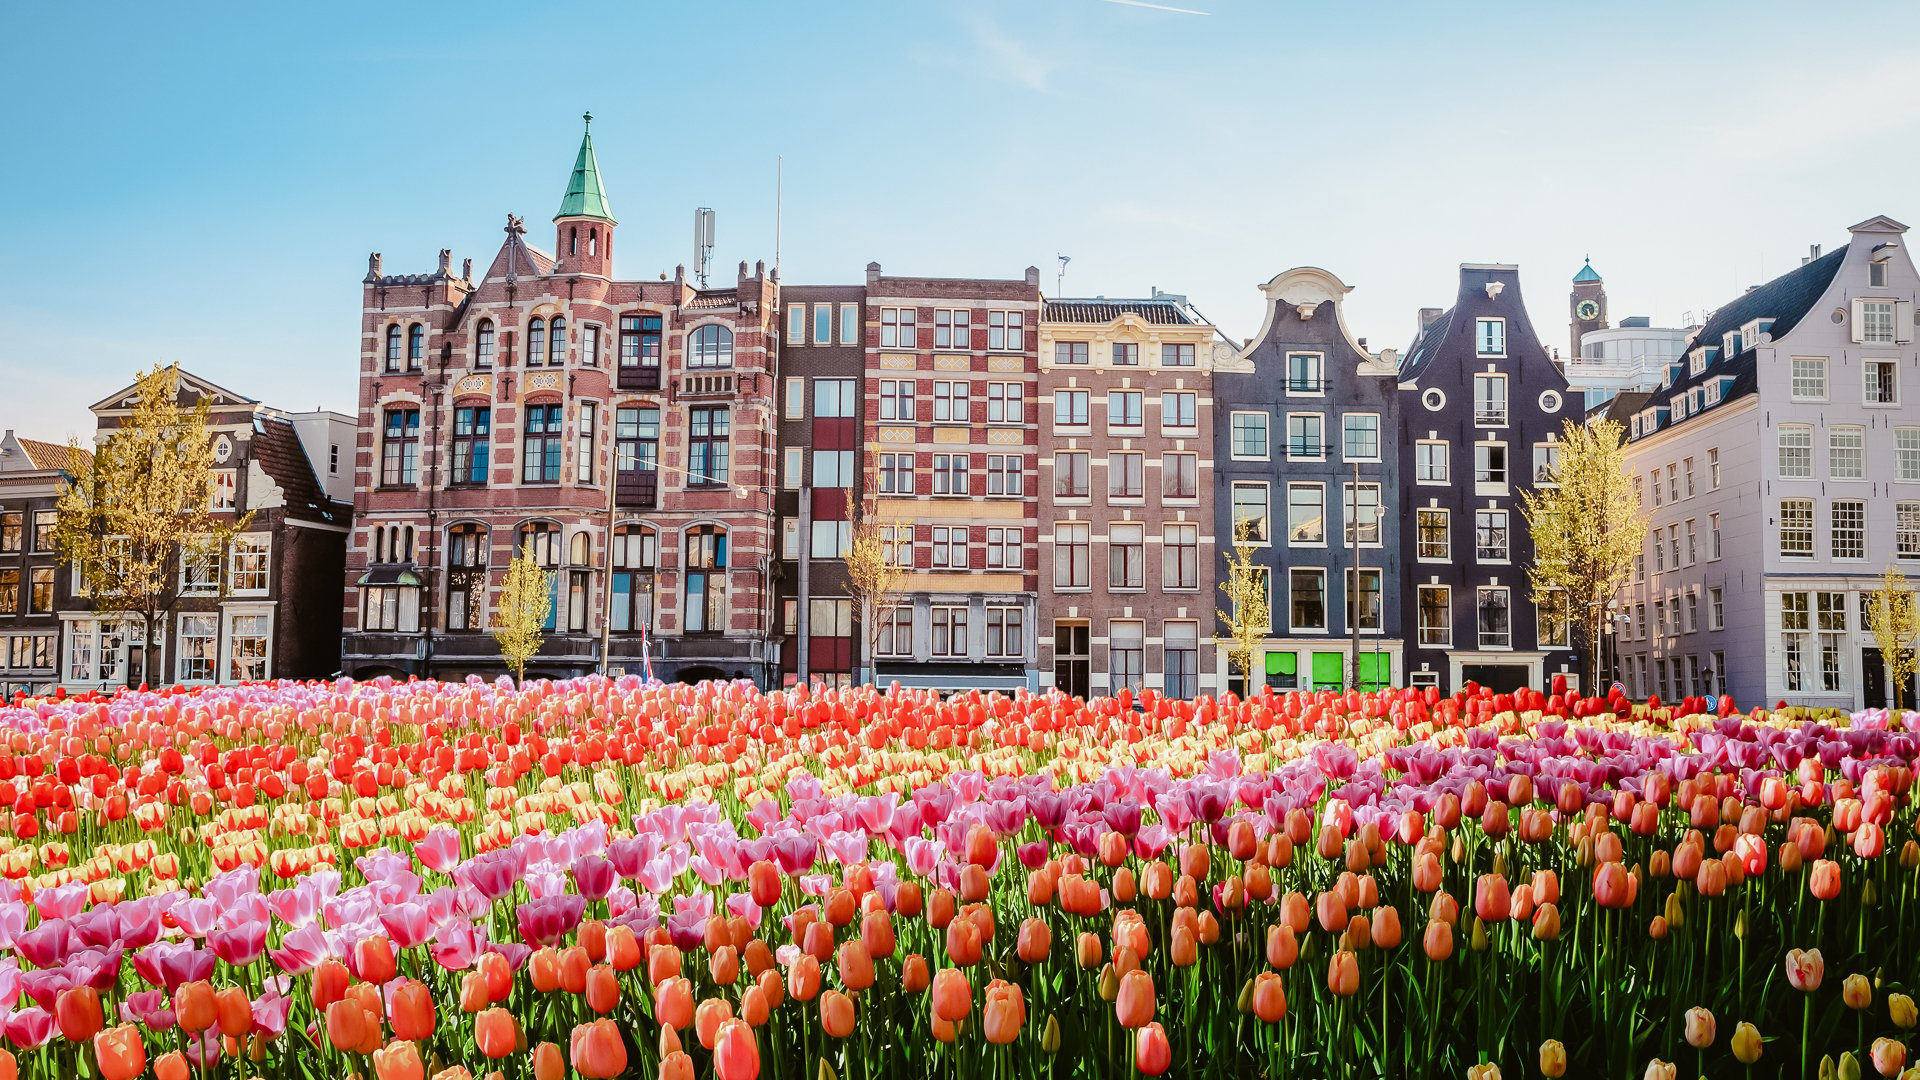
707,385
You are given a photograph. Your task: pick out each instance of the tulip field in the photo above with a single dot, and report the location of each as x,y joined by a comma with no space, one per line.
603,878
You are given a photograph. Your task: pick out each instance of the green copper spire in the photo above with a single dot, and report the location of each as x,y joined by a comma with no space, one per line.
585,196
1586,276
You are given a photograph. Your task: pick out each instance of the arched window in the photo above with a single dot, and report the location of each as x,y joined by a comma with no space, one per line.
573,240
593,241
406,552
635,554
557,342
536,342
579,550
379,545
543,537
393,347
467,559
705,570
416,346
483,344
711,347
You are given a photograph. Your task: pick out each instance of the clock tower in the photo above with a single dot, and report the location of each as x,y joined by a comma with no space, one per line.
1587,304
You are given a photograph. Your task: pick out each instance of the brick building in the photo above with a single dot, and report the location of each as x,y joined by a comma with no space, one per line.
951,379
33,474
1126,497
265,607
622,429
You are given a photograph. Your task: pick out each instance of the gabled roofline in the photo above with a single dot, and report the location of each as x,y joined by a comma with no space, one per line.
111,403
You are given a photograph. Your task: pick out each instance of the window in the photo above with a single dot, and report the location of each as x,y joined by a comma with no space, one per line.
705,572
400,450
790,544
1496,626
1673,482
1305,373
1362,503
896,474
1796,452
540,445
1249,435
1070,408
950,474
1006,631
709,444
640,349
1877,274
536,342
1006,403
1654,484
1070,471
950,403
1693,612
953,329
1126,409
1809,380
831,539
1003,549
1686,471
1308,589
1179,476
710,347
1490,535
1692,550
796,400
823,324
1172,355
1794,623
1846,453
1368,599
472,427
1072,555
1490,337
636,444
950,547
1305,436
896,632
590,345
1126,475
1659,553
247,647
1126,654
849,324
199,640
1490,464
896,545
1490,400
833,468
1180,556
9,592
1181,640
1126,556
1126,354
1004,474
1831,611
1179,410
1906,453
1435,533
1906,530
896,399
1362,436
1876,322
1430,462
1250,512
247,563
1673,545
1796,528
1713,470
896,328
950,632
1882,382
557,343
12,531
796,323
1006,330
584,449
483,344
1436,615
1713,537
40,590
416,346
200,567
1306,513
467,560
393,348
1849,529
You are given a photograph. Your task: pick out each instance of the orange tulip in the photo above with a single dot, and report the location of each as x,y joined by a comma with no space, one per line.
856,966
400,1060
735,1054
78,1013
233,1012
598,1051
1035,941
876,933
473,992
347,1027
1269,997
120,1053
498,972
952,995
413,1018
818,941
1005,1012
836,1014
676,1066
753,1007
1134,1005
1343,974
707,1019
963,942
603,989
574,966
907,900
764,881
171,1065
1386,927
772,988
548,1062
1283,948
673,1003
1152,1054
941,908
1087,950
724,965
543,968
663,963
914,974
758,957
803,978
1437,941
623,948
373,959
1183,949
1130,932
1824,882
193,1005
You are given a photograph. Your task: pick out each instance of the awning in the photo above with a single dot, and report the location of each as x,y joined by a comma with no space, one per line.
390,575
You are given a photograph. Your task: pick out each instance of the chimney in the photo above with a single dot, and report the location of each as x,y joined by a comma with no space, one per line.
1428,314
873,274
1033,276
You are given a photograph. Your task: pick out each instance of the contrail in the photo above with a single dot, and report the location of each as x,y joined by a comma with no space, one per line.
1158,7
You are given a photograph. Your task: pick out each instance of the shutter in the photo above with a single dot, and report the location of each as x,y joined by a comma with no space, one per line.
1853,328
1902,321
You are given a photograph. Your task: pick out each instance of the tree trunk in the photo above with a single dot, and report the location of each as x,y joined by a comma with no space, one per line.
1595,642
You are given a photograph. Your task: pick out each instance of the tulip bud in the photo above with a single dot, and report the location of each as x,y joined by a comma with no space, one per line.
1901,1008
1661,1070
1244,1004
1746,1043
826,1071
1484,1071
1856,991
1478,942
1849,1066
1827,1067
1050,1038
1109,983
1740,925
1658,929
1553,1058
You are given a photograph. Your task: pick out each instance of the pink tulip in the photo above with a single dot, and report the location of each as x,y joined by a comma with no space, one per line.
440,851
1805,969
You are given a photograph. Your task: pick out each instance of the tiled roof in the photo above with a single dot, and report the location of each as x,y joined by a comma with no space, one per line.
1425,346
1157,312
67,459
718,298
276,446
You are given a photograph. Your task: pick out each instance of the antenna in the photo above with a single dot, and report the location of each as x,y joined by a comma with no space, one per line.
1060,275
779,170
702,244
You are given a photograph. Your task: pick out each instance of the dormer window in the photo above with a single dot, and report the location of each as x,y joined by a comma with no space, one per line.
1877,275
1490,337
1635,425
1730,343
1713,392
1697,363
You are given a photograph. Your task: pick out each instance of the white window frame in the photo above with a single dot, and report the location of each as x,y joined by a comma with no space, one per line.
246,545
1346,436
229,619
200,618
1319,421
1265,538
1870,387
1442,635
1319,489
1796,431
1480,325
1856,454
1319,384
1421,467
1818,368
1479,601
1445,514
1233,434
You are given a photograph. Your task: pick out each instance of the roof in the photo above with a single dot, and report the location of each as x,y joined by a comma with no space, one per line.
67,459
220,396
716,298
1102,310
1786,300
585,197
1587,275
276,446
1426,345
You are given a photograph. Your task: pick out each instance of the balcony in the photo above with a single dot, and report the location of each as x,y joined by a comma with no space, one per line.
720,385
638,377
1306,385
1486,415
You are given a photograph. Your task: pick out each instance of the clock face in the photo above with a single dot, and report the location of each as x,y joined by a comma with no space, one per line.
1588,310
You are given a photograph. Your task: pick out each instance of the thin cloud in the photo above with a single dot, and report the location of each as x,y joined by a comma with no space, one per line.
1012,58
1158,7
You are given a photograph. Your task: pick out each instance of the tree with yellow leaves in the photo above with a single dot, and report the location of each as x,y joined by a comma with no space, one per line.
1893,617
1587,526
526,602
1247,615
876,565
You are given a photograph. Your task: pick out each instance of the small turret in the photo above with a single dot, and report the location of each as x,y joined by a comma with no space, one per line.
583,229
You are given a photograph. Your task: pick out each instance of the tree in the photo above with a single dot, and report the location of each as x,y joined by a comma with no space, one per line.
145,506
1893,616
1587,527
874,575
1246,615
526,601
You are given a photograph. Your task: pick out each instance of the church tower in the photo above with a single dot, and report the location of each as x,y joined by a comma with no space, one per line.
583,229
1587,305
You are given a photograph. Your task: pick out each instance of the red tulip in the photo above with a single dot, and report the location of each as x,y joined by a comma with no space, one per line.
1152,1054
735,1054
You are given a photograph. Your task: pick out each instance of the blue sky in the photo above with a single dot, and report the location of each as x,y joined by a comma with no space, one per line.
203,184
